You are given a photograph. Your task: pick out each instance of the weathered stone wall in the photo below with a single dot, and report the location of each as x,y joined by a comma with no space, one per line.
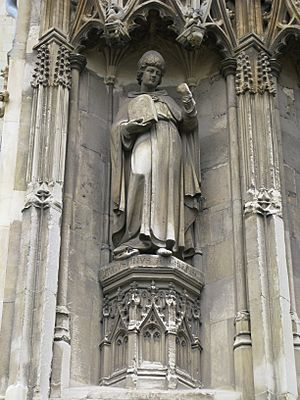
289,106
289,101
218,308
87,233
7,24
7,32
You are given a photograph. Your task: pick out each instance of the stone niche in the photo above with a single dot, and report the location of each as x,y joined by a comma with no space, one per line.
90,233
151,323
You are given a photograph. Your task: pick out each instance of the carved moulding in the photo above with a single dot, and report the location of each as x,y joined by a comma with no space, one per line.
151,323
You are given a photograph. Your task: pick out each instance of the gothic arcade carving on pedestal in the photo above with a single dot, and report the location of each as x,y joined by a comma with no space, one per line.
151,322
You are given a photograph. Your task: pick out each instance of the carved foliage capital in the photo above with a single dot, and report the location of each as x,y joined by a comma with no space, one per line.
265,82
52,66
264,202
42,67
62,71
254,75
242,316
244,75
43,196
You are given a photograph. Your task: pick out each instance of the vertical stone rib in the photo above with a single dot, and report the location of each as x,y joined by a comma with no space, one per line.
56,14
77,64
242,341
249,17
61,349
106,242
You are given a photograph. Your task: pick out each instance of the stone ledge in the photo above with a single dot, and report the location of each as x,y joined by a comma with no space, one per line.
144,266
104,393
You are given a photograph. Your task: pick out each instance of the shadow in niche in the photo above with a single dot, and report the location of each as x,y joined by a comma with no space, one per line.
148,28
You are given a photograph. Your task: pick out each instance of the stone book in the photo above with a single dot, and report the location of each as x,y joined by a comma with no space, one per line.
143,107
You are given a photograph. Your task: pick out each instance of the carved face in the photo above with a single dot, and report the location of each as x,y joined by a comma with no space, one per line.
151,77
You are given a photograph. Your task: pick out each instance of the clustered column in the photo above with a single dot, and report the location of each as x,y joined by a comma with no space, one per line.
264,240
62,339
42,213
242,340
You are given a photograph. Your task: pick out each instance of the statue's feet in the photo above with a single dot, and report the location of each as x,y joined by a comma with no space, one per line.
125,252
164,252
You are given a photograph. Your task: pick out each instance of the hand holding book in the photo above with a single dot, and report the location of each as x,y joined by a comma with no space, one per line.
141,115
137,126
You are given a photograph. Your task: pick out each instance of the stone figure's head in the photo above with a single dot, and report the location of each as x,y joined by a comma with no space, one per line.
151,59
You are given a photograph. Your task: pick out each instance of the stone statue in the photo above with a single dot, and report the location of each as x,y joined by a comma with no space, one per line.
155,168
194,27
114,13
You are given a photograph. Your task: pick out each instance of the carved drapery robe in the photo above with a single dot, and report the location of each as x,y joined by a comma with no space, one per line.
155,181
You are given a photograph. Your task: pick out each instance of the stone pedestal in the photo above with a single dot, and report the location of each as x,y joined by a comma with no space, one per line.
151,323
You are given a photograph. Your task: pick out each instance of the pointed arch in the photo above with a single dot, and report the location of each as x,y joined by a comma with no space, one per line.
219,28
152,338
120,349
166,8
183,351
282,39
153,313
89,35
87,11
284,22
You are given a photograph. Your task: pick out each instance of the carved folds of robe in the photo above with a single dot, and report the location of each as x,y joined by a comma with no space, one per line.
155,182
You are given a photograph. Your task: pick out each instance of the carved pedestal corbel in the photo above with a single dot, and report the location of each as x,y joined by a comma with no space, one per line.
151,323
